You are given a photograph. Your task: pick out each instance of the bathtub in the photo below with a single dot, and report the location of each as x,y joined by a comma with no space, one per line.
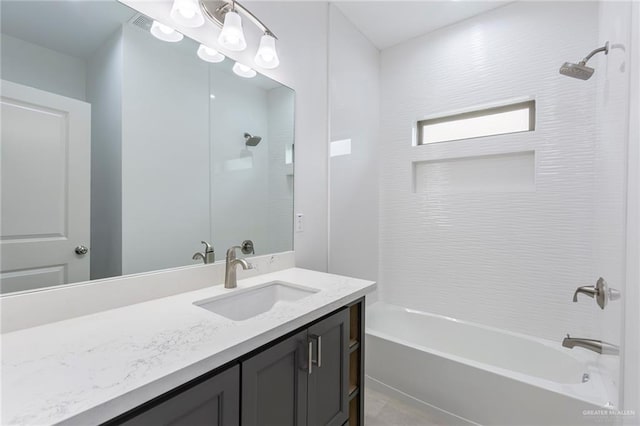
465,373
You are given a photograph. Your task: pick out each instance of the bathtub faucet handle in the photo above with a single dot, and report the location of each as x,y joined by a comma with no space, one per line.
589,290
601,292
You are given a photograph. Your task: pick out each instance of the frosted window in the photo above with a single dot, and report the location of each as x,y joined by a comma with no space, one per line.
512,118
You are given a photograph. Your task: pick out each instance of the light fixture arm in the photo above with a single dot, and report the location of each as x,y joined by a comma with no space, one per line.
215,10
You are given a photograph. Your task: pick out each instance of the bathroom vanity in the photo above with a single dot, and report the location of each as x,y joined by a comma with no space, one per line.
301,378
176,360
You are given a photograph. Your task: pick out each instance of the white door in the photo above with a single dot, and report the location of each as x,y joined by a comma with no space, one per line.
45,183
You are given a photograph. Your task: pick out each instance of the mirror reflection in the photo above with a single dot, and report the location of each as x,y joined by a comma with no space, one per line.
122,152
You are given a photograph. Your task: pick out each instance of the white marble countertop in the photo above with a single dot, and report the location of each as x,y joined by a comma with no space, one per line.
89,369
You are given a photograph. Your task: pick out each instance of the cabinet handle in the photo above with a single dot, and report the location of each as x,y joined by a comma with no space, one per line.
310,352
318,339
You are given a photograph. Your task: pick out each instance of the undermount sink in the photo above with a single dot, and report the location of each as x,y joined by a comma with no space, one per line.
247,303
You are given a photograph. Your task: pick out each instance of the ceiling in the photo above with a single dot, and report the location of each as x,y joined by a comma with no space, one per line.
387,23
76,28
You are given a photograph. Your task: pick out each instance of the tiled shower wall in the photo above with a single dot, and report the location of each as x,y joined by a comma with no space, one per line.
504,257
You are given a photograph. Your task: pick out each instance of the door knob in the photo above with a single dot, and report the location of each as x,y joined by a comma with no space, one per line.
81,250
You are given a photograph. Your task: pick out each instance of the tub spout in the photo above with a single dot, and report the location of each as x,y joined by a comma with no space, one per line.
593,345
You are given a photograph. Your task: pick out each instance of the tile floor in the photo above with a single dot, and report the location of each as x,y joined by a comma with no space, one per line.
382,410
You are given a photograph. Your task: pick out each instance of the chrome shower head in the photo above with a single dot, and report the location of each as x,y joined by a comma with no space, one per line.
581,70
251,140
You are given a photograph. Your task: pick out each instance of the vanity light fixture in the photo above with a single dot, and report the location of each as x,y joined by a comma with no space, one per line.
165,33
227,15
232,35
267,56
210,55
187,13
243,70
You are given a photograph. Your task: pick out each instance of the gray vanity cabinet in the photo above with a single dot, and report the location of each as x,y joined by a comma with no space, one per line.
280,388
328,393
274,385
214,402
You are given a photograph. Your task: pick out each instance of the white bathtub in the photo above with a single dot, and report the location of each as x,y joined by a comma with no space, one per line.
470,373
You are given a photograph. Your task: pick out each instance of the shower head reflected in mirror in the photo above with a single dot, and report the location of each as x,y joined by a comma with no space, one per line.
581,70
251,140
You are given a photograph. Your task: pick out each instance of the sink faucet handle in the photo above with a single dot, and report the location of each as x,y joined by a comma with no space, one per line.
208,248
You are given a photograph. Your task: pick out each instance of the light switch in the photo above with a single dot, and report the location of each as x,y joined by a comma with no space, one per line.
299,222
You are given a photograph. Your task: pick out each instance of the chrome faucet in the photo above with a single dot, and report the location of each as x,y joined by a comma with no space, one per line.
208,256
593,345
230,279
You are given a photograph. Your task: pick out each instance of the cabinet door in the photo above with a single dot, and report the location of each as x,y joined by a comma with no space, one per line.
215,401
328,382
274,385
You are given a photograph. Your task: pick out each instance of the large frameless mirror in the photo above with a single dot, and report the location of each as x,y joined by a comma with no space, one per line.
122,152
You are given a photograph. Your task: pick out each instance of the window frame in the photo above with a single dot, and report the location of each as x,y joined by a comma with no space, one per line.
529,104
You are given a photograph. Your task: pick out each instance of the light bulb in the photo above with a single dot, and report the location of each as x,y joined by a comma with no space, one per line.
165,33
267,56
210,55
187,13
232,36
243,70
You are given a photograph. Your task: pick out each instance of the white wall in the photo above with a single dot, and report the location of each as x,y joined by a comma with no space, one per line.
160,159
507,259
104,92
354,65
36,66
301,27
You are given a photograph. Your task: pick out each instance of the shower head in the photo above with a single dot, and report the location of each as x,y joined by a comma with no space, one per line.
581,70
251,140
